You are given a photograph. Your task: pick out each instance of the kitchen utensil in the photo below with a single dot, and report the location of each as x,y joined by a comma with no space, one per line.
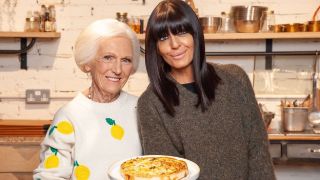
210,24
313,26
295,27
267,116
294,118
314,116
248,19
227,24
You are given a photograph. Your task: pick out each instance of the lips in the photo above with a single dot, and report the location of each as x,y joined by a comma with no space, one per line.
113,79
178,55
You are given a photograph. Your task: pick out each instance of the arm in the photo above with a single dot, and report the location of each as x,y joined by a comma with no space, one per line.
153,134
56,156
260,162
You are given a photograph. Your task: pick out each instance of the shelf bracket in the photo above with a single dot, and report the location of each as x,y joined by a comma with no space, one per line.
22,52
268,58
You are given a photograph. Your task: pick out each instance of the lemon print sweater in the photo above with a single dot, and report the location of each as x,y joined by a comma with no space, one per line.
86,137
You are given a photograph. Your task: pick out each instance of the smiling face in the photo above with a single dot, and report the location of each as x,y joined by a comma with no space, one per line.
177,51
112,66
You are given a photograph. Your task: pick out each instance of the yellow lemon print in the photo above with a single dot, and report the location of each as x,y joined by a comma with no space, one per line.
52,161
63,127
117,131
81,172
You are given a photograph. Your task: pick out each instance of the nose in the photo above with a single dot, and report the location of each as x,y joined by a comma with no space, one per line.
174,41
116,67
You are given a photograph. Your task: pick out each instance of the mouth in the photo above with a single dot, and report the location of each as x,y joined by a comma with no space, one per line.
113,79
178,55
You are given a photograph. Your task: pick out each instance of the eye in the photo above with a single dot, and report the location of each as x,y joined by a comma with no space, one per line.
182,33
107,58
163,38
126,60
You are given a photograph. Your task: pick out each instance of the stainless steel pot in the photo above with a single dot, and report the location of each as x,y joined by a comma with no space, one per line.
294,118
248,19
210,24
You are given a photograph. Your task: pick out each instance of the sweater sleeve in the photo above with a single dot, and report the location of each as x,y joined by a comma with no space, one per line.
260,162
153,134
56,155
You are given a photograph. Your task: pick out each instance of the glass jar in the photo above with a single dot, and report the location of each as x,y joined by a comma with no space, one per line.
269,22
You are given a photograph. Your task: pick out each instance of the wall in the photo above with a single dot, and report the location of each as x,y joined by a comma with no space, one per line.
51,65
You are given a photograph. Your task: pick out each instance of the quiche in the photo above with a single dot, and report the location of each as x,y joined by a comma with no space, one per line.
154,168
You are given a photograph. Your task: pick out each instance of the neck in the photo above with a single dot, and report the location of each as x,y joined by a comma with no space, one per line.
97,95
183,77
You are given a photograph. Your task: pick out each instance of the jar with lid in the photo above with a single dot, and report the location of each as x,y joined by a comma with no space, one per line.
122,17
32,22
227,25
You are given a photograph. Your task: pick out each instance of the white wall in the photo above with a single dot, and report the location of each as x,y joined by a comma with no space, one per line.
51,65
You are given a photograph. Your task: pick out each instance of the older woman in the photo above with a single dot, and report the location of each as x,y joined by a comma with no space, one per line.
98,126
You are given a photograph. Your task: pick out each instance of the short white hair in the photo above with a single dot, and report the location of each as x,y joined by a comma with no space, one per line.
87,44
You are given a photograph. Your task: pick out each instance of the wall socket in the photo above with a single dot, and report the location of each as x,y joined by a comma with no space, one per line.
37,96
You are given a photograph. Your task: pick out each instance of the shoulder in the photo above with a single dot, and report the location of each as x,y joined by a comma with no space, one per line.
147,95
229,70
231,73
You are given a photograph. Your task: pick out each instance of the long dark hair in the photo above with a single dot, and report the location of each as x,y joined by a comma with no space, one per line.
176,16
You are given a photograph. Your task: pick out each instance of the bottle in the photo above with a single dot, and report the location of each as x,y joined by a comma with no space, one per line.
47,23
42,17
52,17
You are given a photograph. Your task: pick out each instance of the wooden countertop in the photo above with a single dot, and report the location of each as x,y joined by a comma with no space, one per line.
24,128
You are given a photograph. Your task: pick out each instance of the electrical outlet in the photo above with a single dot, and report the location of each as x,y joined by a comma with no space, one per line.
37,96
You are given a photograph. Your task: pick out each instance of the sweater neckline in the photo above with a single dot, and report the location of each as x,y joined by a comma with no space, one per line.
80,96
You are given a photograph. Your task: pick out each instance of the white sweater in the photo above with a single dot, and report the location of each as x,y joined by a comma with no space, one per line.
86,137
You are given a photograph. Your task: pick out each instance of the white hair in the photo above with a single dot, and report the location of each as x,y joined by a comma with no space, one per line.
87,44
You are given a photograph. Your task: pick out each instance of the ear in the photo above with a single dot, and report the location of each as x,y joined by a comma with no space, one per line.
87,67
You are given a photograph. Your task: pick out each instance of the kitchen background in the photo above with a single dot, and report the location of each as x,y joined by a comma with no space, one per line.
51,65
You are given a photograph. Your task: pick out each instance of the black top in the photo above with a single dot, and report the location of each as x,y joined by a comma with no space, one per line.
190,86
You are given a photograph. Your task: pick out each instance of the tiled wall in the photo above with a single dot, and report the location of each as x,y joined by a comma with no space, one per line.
51,65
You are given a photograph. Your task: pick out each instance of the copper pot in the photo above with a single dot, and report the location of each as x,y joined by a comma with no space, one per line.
296,27
313,26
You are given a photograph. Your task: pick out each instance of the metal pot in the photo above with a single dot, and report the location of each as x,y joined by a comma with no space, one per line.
294,118
210,24
248,19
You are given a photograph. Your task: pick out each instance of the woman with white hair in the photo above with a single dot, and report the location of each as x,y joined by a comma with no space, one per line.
98,127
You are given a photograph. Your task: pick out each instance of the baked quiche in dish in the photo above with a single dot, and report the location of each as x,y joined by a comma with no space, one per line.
154,168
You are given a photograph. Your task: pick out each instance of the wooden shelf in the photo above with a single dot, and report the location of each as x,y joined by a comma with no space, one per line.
30,35
291,138
248,36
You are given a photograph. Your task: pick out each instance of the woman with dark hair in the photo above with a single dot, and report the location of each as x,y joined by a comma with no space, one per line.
192,109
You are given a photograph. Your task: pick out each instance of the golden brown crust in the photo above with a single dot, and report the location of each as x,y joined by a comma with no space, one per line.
150,167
